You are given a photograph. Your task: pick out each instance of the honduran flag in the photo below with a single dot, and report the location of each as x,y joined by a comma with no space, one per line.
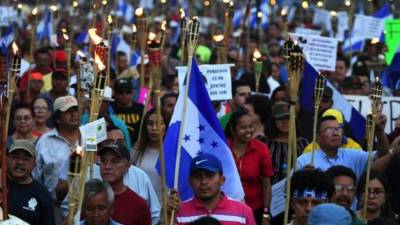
7,38
351,115
118,44
125,10
45,28
202,133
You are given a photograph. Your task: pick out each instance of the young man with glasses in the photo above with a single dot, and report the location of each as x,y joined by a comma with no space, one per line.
344,181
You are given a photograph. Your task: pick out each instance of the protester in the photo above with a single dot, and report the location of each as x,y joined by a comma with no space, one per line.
35,86
41,109
259,108
206,179
309,188
344,181
60,84
168,102
98,203
23,124
253,161
379,197
27,198
329,214
206,220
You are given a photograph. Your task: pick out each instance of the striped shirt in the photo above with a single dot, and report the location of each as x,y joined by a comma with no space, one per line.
227,211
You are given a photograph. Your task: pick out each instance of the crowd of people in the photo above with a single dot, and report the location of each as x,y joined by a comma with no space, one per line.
327,183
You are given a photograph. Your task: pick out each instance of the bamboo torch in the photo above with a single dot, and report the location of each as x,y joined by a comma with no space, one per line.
33,32
376,98
7,93
68,50
228,28
162,35
295,64
75,164
133,38
154,48
109,38
218,38
142,28
318,92
350,21
258,66
183,35
194,26
84,69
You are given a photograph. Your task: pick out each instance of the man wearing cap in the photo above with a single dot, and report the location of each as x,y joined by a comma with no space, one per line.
60,84
126,109
129,207
206,179
55,146
35,86
27,198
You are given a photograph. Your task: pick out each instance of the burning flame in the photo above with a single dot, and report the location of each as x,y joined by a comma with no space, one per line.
163,1
182,12
333,13
225,1
79,150
374,41
139,12
53,8
109,19
152,36
259,14
95,38
304,4
134,29
231,3
35,11
283,12
164,25
75,4
347,3
19,6
15,48
218,37
256,55
65,36
99,63
320,4
104,2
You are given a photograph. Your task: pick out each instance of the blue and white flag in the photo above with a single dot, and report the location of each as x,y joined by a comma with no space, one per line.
202,133
118,44
82,38
351,115
45,28
135,58
125,10
239,14
7,38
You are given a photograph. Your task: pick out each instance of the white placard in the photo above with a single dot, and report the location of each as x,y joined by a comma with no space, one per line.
391,108
342,26
368,27
278,192
322,18
218,80
93,133
319,51
307,31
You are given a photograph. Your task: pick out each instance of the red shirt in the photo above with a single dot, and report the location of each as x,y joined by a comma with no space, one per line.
227,211
131,209
252,166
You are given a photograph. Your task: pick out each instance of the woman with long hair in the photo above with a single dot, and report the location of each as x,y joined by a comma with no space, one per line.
147,149
379,197
253,162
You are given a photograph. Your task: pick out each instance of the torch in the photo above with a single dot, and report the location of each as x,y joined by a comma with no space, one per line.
33,34
162,36
74,172
110,30
258,66
142,28
350,13
68,50
7,85
133,38
285,23
183,35
376,98
218,38
318,92
228,27
194,26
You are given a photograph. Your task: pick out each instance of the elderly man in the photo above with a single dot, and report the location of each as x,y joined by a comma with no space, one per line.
27,198
98,203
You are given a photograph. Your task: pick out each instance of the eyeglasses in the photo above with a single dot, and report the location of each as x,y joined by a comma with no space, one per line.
375,191
21,118
40,108
343,187
331,130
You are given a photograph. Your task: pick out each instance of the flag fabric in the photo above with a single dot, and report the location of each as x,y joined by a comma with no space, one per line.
118,44
125,10
82,38
45,28
135,58
351,115
239,14
202,134
7,38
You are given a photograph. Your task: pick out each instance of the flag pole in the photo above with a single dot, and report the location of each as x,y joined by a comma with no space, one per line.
228,28
350,21
142,28
183,35
318,92
194,26
376,98
7,85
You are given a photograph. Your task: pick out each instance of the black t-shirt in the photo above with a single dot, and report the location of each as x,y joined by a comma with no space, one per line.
131,116
31,203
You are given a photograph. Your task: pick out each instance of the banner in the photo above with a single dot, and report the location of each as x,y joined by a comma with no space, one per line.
392,38
368,27
217,78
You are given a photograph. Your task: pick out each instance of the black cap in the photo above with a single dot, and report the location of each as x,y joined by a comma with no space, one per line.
123,84
120,149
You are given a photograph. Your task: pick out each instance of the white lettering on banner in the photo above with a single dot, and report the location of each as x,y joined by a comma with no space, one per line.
391,108
368,27
218,80
319,51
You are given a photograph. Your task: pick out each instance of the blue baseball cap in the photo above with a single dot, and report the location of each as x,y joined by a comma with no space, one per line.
207,162
329,214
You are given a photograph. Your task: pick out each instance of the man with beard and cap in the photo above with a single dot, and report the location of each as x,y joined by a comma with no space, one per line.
344,181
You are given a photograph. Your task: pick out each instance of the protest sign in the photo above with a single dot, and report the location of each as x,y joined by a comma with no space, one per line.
217,78
322,18
93,133
306,31
392,38
278,198
319,51
342,26
391,108
368,27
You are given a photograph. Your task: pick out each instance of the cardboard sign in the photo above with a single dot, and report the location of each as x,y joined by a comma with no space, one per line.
319,51
93,133
278,192
391,108
368,27
217,80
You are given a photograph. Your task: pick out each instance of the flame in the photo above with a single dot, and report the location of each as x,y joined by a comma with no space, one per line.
231,3
283,12
347,3
75,4
182,12
225,1
256,55
81,54
95,38
218,37
374,40
152,36
134,29
259,14
19,6
163,1
377,79
100,64
64,30
320,4
104,2
206,3
35,11
333,13
139,12
79,150
15,48
65,36
164,25
109,19
53,8
304,4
